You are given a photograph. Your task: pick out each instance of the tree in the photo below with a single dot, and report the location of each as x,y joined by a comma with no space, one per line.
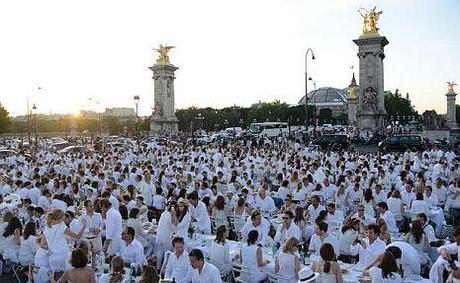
396,105
5,120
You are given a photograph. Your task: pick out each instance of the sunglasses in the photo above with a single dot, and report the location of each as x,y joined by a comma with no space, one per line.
285,218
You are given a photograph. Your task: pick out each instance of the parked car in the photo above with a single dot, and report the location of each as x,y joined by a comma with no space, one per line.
403,143
7,152
73,149
55,147
331,141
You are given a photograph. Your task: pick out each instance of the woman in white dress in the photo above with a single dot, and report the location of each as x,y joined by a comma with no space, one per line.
328,268
219,212
55,234
116,274
182,218
12,235
386,270
419,240
287,262
219,253
395,205
29,245
240,214
251,258
369,203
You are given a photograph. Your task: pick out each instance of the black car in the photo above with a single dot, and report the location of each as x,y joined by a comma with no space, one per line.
331,141
403,143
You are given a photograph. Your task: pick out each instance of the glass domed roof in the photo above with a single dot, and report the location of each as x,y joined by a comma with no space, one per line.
326,96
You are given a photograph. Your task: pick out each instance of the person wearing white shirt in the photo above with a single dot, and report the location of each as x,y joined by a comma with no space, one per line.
204,272
419,205
167,226
74,224
256,223
389,217
264,203
132,250
320,237
284,190
329,189
370,247
29,245
407,257
407,195
287,230
334,217
219,252
177,263
427,228
113,227
314,208
440,191
442,263
431,198
34,195
199,212
94,224
386,270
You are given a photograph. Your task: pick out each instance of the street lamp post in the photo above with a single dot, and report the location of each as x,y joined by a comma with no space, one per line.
136,102
306,84
34,111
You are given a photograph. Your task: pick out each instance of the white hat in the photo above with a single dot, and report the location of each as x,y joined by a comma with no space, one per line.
307,275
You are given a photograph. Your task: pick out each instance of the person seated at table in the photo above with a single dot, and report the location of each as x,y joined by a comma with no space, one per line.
419,205
136,224
177,262
287,205
148,275
219,253
219,211
80,272
264,203
199,212
116,274
251,257
384,233
426,226
327,267
395,204
334,217
132,250
362,216
368,248
386,270
203,271
349,232
320,237
419,240
29,244
447,255
12,239
388,216
260,225
287,230
314,208
407,257
287,263
431,199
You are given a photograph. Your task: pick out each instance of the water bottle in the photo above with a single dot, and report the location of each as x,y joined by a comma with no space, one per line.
302,256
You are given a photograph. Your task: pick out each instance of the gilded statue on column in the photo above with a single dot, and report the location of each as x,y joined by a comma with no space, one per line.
352,92
450,87
163,57
370,20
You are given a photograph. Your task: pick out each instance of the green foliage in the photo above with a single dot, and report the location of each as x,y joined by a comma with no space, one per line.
5,120
396,105
112,125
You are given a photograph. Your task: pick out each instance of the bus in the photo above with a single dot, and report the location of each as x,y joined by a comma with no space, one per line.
269,129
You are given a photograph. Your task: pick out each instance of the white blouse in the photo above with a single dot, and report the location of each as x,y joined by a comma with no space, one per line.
27,251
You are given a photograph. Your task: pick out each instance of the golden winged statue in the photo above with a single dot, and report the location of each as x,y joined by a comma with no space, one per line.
450,87
163,58
352,92
370,20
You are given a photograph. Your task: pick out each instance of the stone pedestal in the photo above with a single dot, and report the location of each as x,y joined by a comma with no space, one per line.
371,111
451,116
163,120
352,110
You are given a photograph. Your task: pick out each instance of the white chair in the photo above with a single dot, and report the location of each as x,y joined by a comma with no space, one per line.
241,273
275,278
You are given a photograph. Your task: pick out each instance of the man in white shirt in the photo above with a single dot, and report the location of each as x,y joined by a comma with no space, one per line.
256,223
442,263
369,248
34,195
265,203
407,258
334,217
430,198
132,250
389,217
287,229
94,224
320,237
314,208
199,212
427,228
203,271
407,195
113,227
177,263
166,230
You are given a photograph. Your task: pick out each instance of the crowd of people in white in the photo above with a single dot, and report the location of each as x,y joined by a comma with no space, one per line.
200,213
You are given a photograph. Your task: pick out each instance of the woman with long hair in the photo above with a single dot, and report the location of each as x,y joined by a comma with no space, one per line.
386,270
219,253
419,240
368,202
116,274
251,257
12,235
182,219
384,235
219,212
287,263
327,267
80,272
29,244
349,233
149,275
55,233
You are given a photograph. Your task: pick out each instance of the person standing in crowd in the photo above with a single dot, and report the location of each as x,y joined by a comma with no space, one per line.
199,212
113,227
94,224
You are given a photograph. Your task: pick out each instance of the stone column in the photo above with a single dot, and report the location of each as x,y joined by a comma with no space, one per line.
163,120
451,116
371,82
352,109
